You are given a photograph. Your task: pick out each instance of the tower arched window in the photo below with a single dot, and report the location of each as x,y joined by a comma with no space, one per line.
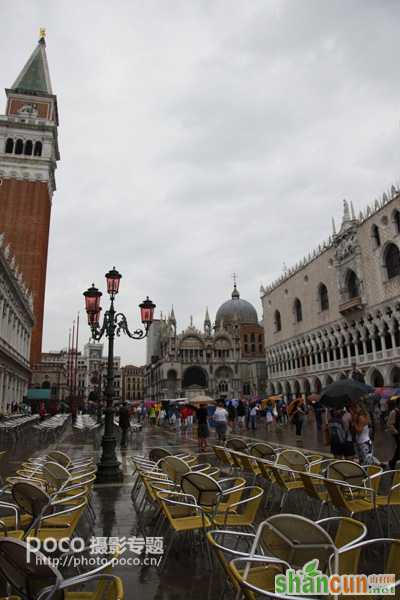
28,148
392,261
278,321
38,149
323,297
396,220
19,147
9,146
353,285
298,311
376,236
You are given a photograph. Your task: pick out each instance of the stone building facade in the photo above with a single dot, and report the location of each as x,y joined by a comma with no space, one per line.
226,360
52,373
16,323
132,382
28,159
339,306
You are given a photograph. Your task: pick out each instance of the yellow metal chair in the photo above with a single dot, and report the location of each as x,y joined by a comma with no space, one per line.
356,560
241,514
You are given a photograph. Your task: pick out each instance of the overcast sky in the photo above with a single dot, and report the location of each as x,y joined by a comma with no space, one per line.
203,137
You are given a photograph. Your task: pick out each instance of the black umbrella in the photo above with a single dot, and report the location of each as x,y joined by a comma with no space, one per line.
340,393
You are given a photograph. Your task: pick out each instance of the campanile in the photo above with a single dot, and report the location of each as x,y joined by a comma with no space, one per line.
28,159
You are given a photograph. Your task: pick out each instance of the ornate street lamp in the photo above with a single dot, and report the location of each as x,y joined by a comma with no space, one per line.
108,469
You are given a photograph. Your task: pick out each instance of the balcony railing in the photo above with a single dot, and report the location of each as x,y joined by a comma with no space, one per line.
350,305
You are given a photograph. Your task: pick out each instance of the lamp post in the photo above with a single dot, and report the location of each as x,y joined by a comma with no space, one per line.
108,469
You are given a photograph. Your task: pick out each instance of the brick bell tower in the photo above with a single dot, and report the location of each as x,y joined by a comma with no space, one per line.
28,159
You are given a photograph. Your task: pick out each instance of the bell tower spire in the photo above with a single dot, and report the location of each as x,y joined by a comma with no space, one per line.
28,160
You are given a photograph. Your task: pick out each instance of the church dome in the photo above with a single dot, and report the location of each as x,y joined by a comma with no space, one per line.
236,309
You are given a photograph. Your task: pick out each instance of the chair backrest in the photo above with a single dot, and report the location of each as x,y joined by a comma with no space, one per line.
344,530
294,459
347,471
112,590
262,450
30,498
56,474
157,454
27,578
294,539
311,486
174,467
202,487
59,457
236,444
222,455
386,558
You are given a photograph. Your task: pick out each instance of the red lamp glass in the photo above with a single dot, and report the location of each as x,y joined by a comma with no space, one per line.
147,311
92,300
113,279
93,318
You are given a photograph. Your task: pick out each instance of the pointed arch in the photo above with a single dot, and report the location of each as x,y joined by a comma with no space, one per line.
391,260
9,149
323,297
352,284
277,321
298,310
38,149
28,148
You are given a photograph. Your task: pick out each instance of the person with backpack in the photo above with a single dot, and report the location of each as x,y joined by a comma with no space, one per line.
393,426
337,434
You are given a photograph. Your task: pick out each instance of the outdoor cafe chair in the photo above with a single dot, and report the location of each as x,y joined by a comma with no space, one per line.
248,465
369,557
386,484
236,443
263,450
353,499
293,539
176,468
210,494
194,518
223,456
227,545
241,514
286,480
260,579
347,471
39,580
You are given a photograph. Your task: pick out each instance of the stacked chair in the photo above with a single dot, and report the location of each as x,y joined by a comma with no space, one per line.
49,497
361,506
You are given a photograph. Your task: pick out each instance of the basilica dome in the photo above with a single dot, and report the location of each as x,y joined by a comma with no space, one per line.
236,309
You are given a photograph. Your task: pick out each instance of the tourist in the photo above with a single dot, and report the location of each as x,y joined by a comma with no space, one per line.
189,418
124,423
318,412
393,426
152,415
269,415
221,421
337,434
231,415
383,406
298,415
348,446
203,431
42,411
253,415
241,414
284,413
360,423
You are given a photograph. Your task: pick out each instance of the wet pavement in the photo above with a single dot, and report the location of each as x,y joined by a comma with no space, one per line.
186,574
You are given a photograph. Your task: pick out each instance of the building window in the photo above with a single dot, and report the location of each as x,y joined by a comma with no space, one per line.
277,320
395,218
246,348
19,147
38,149
9,146
323,297
353,285
298,311
376,235
392,261
28,148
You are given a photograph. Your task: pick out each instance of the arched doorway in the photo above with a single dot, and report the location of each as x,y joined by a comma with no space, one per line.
377,379
307,387
395,377
194,380
296,388
317,385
